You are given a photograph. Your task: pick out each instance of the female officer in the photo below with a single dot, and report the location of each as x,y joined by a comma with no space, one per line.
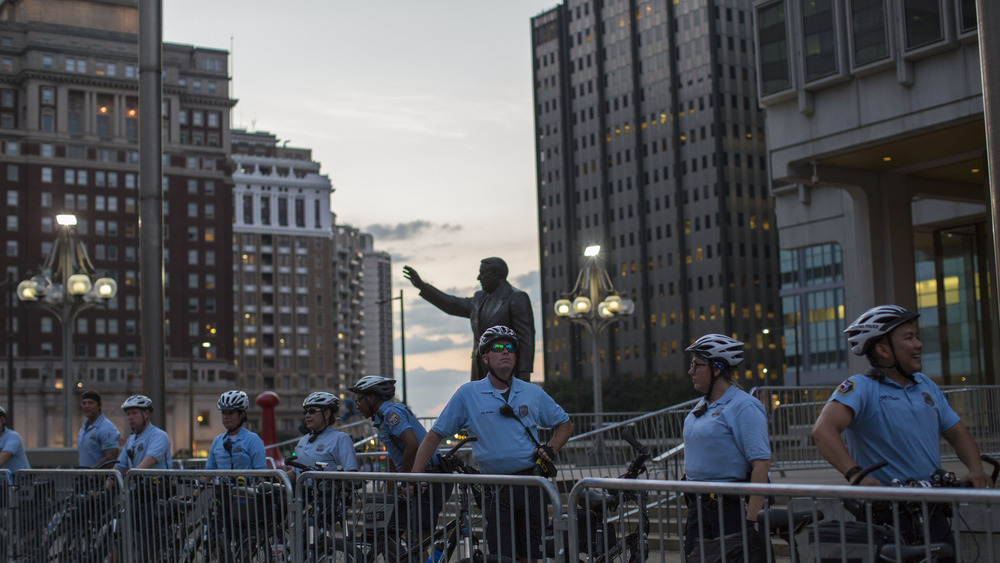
725,439
324,443
237,447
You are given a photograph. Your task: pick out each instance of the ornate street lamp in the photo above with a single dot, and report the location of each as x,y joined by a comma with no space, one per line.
66,287
594,303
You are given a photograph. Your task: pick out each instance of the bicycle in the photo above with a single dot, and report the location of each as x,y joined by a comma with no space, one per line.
885,530
84,527
596,537
382,540
323,513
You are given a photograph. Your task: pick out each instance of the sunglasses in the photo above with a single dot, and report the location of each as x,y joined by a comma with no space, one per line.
311,411
501,347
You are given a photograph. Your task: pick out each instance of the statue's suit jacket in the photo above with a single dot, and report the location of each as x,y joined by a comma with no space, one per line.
506,306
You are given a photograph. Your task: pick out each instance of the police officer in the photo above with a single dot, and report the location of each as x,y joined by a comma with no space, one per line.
147,447
237,447
324,443
97,441
400,432
504,447
12,457
725,439
893,412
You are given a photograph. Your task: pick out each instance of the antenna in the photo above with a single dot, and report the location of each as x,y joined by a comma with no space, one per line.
232,76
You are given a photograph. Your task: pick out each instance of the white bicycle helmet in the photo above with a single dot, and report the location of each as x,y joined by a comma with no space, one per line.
875,323
718,348
3,411
321,399
383,387
495,333
234,400
137,402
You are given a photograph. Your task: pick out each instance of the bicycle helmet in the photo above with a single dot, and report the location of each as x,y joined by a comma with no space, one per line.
875,323
321,399
234,401
137,402
382,387
723,351
495,333
3,412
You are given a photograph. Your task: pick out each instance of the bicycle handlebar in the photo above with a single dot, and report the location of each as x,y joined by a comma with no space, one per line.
643,454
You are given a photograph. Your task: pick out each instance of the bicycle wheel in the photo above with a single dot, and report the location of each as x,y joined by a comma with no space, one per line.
339,552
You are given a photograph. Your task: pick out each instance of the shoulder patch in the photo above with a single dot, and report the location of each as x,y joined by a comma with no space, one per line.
393,419
846,387
927,398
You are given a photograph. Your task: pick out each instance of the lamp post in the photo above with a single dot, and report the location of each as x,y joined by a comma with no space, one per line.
402,337
194,353
66,287
9,286
594,303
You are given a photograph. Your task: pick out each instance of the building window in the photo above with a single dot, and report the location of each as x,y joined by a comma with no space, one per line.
812,301
868,31
819,39
922,20
48,95
772,37
47,121
265,210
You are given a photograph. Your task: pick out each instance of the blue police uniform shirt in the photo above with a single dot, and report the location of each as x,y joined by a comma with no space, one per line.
720,444
392,420
95,438
150,442
10,441
330,446
246,451
503,447
900,425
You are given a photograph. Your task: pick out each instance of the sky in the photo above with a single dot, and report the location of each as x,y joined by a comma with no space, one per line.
421,115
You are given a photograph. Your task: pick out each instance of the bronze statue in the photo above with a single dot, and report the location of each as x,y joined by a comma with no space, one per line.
498,303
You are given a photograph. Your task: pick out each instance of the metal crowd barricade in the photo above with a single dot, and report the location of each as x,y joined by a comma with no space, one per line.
200,515
649,519
792,411
370,517
603,453
63,515
5,514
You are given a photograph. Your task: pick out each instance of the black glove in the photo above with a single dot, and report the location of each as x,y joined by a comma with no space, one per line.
756,542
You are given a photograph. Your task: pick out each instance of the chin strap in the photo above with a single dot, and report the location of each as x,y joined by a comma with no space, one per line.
875,371
314,435
507,381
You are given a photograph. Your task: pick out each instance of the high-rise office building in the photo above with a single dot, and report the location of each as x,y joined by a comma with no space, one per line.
649,142
378,305
68,144
349,296
283,272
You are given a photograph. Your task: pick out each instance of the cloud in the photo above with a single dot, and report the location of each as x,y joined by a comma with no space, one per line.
417,345
403,231
429,390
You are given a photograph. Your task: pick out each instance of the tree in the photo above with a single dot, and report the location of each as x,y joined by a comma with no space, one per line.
623,393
